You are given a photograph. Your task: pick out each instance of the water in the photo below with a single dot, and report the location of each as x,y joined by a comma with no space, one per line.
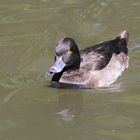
29,109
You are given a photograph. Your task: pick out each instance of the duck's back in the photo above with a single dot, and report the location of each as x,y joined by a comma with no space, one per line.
97,57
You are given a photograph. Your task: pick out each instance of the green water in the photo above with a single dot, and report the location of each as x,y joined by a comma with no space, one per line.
29,109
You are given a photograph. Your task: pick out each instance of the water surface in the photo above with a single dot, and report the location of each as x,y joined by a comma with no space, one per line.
29,109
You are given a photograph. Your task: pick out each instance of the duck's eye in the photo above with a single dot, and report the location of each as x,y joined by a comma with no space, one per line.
69,52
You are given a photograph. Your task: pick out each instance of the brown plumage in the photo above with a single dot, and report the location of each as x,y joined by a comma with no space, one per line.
98,65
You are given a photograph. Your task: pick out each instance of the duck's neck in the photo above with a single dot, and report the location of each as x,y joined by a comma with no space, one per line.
56,77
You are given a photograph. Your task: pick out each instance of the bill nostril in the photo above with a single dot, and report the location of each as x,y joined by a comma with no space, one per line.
50,70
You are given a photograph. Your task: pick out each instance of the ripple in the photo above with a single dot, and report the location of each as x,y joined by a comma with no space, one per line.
114,120
116,87
137,46
6,124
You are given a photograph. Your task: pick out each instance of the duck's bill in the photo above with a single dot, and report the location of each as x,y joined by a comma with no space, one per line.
58,66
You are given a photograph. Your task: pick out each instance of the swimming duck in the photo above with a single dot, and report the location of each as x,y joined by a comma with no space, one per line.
96,66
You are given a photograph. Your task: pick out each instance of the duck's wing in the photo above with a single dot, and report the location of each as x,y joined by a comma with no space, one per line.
80,77
97,57
109,74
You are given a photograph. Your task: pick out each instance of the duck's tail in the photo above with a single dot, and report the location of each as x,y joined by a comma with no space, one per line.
124,35
123,41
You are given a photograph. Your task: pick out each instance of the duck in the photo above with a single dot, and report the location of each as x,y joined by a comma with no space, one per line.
92,67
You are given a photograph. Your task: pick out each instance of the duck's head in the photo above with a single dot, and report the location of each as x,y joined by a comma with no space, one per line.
67,58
